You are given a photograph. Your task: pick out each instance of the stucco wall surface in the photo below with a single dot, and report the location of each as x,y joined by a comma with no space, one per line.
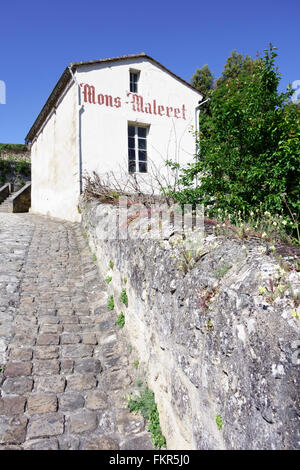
98,133
221,358
104,127
54,162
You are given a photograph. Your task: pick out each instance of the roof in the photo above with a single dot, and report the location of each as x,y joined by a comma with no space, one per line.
66,77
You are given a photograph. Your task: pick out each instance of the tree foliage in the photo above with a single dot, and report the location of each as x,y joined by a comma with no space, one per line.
203,79
249,143
236,64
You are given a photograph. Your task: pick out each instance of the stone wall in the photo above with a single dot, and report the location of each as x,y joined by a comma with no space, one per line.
4,191
215,343
21,201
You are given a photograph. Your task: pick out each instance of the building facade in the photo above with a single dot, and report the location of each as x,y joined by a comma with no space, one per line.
125,116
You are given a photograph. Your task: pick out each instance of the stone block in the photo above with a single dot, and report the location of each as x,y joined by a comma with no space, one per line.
41,403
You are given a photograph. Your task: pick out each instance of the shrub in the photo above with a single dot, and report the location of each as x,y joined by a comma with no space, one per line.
249,142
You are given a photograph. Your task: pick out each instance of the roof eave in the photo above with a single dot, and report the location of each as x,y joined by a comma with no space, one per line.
50,104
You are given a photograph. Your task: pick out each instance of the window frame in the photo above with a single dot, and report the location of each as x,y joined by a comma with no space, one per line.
137,147
134,83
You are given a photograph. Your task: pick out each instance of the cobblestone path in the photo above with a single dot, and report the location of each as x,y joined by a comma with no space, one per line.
63,371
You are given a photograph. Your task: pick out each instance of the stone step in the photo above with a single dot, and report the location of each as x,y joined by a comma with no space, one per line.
7,210
6,205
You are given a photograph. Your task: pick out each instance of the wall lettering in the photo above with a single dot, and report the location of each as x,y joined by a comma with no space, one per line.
134,101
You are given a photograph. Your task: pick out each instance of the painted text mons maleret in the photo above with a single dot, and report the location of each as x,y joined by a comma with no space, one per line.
132,99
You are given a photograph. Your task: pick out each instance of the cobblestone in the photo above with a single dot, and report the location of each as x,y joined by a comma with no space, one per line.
16,369
21,354
53,383
59,344
81,382
70,339
71,401
46,352
46,367
84,421
17,386
46,339
96,400
41,444
88,365
12,405
46,425
77,350
41,404
12,429
66,366
63,364
100,443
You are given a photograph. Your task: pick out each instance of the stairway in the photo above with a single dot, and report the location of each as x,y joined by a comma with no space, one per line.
6,205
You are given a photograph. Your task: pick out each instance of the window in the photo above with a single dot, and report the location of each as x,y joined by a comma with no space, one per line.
134,78
137,149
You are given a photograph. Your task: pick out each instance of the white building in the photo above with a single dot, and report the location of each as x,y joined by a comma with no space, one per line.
127,112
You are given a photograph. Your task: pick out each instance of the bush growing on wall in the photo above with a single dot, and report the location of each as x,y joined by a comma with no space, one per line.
14,171
249,146
14,148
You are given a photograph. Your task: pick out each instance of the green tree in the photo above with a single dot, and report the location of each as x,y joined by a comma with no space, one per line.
203,79
249,145
235,64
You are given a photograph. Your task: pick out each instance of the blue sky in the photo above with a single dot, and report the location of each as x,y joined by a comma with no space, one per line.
38,39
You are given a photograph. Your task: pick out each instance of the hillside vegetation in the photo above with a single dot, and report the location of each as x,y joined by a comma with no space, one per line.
15,166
